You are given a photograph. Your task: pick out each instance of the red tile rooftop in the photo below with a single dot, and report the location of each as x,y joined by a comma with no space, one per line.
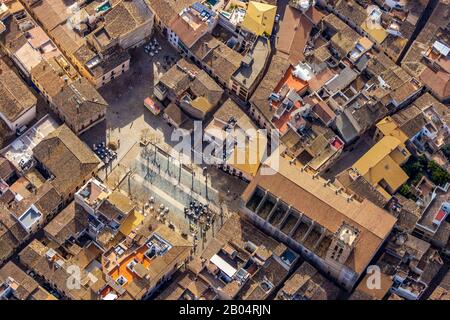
337,143
292,83
437,58
282,123
123,270
105,291
440,215
320,79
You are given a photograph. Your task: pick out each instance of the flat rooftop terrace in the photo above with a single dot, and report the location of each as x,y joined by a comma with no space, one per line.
123,270
22,147
433,210
259,54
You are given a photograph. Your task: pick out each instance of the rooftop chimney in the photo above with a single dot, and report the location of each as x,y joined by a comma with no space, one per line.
338,190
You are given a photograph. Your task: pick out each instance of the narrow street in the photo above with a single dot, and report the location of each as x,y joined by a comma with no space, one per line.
419,26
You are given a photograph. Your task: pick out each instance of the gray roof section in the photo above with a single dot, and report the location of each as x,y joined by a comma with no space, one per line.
344,78
247,74
346,127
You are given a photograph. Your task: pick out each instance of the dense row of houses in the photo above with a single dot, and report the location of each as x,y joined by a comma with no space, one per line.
335,81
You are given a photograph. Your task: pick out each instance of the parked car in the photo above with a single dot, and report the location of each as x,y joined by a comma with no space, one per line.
152,105
21,130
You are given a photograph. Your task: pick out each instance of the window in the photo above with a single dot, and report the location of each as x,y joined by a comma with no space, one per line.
404,152
337,252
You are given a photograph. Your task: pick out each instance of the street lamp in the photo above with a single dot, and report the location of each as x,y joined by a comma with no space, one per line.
179,167
205,172
193,175
130,175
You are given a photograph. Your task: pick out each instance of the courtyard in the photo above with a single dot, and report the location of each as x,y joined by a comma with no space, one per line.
164,187
126,115
155,172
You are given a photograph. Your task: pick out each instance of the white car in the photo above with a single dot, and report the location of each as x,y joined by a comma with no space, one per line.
277,18
25,163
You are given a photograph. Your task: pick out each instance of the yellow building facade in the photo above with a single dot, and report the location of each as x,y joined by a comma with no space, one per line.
259,18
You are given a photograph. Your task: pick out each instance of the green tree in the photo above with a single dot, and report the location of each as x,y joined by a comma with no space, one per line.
414,167
437,174
405,190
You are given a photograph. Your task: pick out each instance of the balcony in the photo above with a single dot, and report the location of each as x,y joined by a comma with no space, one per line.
301,231
255,200
278,214
323,246
313,237
266,207
289,223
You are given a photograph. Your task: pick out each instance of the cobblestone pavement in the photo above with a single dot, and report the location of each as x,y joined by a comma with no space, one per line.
146,174
126,116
